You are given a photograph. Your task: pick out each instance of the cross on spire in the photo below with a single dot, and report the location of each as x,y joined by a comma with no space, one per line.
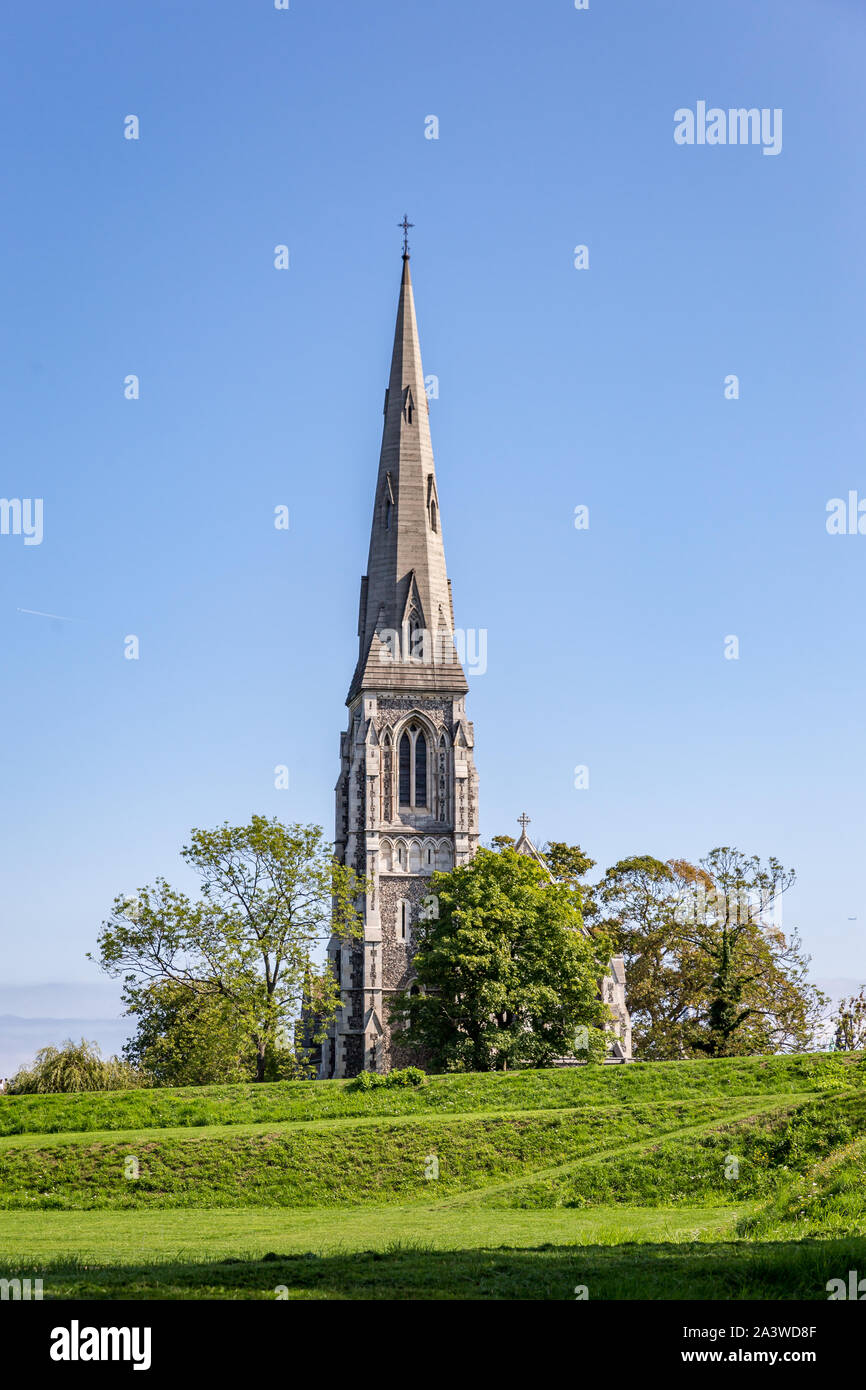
405,224
524,820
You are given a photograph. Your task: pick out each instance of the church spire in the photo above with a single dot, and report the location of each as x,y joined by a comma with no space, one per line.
406,616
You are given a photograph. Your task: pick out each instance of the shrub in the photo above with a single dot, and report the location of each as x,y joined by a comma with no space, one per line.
407,1076
75,1067
367,1081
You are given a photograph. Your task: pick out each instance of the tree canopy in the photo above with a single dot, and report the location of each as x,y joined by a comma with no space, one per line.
709,969
505,974
242,950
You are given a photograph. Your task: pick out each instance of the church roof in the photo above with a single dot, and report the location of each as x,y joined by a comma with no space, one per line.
406,589
525,846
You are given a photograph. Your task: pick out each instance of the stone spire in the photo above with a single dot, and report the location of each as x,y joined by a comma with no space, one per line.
406,617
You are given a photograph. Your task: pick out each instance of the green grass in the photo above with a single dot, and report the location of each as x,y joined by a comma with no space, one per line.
614,1177
407,1271
827,1200
315,1165
498,1091
183,1234
720,1163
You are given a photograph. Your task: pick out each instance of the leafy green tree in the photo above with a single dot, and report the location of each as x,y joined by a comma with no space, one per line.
270,894
506,975
759,998
74,1067
708,971
186,1039
569,864
639,901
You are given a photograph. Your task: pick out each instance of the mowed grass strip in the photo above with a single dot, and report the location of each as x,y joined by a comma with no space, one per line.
415,1272
729,1162
204,1106
139,1237
333,1164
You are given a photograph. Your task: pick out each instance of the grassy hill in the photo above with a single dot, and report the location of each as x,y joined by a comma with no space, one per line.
734,1178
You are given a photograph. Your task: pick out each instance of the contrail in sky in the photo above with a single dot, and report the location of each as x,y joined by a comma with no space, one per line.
36,614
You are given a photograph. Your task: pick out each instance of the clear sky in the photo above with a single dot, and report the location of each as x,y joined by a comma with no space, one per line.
558,387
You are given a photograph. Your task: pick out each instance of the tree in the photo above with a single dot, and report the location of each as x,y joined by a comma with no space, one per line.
74,1067
570,865
506,975
708,971
759,999
186,1039
639,901
269,895
850,1023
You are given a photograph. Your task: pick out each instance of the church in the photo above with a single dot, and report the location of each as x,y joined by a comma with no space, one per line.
407,793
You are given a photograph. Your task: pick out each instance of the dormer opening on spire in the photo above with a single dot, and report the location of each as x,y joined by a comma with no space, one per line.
408,405
387,503
432,509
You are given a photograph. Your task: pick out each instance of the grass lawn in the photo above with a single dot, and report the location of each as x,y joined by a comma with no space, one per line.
729,1180
130,1237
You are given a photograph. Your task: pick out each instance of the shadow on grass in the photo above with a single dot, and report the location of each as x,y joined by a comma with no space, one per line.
705,1270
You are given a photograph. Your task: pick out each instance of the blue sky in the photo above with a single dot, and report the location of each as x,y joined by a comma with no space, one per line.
558,387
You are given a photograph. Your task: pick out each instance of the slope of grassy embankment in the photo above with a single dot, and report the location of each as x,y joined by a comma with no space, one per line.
727,1179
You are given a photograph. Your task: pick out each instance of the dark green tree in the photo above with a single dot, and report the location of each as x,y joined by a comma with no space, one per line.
505,973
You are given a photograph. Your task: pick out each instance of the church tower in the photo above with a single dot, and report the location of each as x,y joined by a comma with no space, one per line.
407,794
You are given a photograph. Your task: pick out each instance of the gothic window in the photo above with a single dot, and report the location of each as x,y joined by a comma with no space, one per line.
420,770
431,502
413,769
405,770
401,856
417,640
429,855
402,921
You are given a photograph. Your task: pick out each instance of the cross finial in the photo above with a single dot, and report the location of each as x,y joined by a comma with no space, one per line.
524,820
405,224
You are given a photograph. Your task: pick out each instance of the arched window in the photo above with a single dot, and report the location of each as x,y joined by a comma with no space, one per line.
420,770
413,769
403,921
405,770
418,639
387,858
